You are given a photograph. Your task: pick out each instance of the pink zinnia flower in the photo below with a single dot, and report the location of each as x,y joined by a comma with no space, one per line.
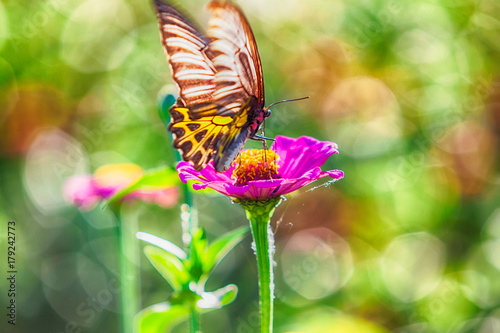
86,191
265,174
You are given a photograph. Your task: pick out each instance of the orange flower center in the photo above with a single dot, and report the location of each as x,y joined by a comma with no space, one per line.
255,164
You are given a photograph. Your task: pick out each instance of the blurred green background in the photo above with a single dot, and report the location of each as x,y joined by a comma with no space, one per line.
407,242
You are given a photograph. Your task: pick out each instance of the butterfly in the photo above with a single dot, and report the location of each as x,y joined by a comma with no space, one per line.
219,77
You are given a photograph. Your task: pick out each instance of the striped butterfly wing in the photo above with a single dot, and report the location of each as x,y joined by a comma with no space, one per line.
187,54
197,123
215,77
235,56
239,79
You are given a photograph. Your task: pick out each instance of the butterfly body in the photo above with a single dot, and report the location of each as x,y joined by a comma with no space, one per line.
244,126
219,76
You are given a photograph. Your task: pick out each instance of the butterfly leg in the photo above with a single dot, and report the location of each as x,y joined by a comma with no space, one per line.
257,137
239,160
263,139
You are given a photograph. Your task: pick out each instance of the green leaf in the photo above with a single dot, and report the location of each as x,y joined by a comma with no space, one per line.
152,178
205,191
199,241
168,265
162,243
161,317
198,248
221,246
219,298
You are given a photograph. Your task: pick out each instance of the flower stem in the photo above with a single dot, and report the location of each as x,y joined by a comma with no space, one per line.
194,323
189,224
129,297
189,221
259,214
263,249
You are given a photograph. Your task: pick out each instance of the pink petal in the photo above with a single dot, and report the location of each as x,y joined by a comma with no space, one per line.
335,174
81,191
188,172
163,197
297,156
300,161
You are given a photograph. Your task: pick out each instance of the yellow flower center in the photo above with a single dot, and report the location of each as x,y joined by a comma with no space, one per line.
255,164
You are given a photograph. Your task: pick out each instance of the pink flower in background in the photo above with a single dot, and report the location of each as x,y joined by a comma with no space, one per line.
86,191
265,174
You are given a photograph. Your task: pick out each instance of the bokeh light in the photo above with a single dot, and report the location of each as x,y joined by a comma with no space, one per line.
315,263
98,36
411,266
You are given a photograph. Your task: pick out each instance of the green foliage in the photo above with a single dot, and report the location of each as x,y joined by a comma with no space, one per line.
161,317
187,274
169,266
221,246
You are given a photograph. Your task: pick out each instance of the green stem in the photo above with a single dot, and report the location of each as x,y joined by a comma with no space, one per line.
259,214
189,218
189,225
261,233
129,297
194,323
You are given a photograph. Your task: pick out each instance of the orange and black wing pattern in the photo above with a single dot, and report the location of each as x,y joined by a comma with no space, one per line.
197,139
216,75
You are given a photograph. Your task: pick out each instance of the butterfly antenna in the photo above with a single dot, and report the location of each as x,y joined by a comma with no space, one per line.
287,100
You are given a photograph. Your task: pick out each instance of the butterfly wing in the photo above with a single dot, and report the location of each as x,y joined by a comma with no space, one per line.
187,54
235,56
239,79
197,139
197,123
215,77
